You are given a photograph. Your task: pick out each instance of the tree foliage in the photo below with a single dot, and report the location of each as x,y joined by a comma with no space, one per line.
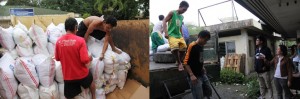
121,9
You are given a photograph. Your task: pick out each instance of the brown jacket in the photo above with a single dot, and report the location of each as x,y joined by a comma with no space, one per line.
285,66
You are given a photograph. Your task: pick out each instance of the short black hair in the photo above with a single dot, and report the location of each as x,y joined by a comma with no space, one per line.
110,20
261,38
283,49
161,17
204,34
184,4
70,24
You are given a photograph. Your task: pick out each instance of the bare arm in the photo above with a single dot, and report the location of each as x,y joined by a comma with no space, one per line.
169,16
107,36
91,28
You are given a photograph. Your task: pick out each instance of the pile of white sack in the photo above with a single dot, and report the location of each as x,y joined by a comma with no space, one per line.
29,71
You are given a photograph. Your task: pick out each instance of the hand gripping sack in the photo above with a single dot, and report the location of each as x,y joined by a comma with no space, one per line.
26,73
8,82
6,38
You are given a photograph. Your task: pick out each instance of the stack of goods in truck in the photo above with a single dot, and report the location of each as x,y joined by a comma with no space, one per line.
28,69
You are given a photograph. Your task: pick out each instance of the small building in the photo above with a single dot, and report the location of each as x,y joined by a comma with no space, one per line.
239,37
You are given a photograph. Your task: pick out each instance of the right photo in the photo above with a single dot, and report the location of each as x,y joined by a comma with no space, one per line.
224,49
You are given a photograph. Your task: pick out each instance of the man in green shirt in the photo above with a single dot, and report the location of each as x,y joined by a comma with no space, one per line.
156,36
173,32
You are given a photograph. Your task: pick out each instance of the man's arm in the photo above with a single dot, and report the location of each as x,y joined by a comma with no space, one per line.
104,46
169,16
91,28
189,54
111,43
84,57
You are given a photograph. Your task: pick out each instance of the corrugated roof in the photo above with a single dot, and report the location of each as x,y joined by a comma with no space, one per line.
4,10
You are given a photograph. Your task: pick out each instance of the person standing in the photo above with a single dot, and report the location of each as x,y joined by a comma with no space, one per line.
157,38
193,63
262,69
72,52
283,72
173,32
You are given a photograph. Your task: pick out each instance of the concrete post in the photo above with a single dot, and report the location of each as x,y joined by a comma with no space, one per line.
245,41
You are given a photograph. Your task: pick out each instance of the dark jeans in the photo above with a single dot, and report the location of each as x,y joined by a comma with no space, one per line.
202,88
281,84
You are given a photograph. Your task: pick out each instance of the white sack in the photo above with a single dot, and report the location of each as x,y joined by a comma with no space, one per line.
25,72
6,38
8,83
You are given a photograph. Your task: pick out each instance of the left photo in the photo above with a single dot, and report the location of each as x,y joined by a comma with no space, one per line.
74,49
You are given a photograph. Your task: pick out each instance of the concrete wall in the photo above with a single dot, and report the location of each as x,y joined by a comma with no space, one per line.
242,47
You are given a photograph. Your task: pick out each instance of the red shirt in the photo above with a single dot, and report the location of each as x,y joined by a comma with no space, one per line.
72,52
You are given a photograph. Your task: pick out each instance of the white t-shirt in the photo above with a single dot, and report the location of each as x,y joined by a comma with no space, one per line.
277,71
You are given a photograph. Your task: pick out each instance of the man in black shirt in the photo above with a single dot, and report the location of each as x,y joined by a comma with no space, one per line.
193,64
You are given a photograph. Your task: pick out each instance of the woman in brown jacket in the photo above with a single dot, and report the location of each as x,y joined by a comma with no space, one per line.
283,72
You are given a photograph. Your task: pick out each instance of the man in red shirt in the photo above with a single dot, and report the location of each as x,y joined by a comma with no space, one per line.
71,51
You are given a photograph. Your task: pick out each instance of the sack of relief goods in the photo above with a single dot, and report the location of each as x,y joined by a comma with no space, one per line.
6,38
61,87
110,68
51,48
50,92
21,26
109,88
26,92
41,50
38,36
53,33
58,72
45,67
95,48
61,27
123,58
26,73
21,38
100,93
110,57
14,53
122,74
8,83
163,48
97,70
24,51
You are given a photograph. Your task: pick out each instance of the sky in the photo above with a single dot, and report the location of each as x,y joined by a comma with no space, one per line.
211,15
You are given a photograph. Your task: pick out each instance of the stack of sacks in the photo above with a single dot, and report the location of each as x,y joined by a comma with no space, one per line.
54,32
26,73
8,83
40,39
45,67
115,67
23,41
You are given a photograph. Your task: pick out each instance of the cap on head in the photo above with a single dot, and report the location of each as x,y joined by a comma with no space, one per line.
110,20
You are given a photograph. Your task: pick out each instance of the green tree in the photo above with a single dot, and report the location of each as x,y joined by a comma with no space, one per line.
193,29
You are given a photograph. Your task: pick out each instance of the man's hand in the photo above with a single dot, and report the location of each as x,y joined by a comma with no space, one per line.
166,35
194,79
101,57
117,51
